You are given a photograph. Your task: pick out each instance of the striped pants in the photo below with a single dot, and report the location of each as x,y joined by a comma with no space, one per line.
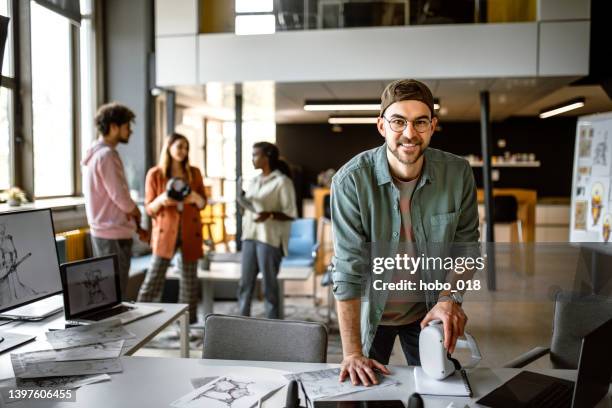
153,285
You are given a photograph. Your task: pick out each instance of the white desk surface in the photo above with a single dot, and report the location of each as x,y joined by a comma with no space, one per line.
153,382
230,271
144,329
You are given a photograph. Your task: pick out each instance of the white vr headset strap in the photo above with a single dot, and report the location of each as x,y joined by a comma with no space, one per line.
471,344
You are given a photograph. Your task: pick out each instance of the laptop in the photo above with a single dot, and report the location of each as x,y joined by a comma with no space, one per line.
92,293
529,389
37,310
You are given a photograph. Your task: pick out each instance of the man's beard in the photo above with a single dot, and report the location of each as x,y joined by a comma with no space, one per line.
396,153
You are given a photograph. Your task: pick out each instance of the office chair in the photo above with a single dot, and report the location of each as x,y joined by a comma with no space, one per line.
505,211
574,317
248,338
303,247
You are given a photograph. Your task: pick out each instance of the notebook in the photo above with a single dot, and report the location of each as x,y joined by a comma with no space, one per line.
456,385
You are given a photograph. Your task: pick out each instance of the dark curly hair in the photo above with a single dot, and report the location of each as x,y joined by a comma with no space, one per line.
112,113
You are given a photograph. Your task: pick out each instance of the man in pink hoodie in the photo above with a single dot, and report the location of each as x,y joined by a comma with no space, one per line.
111,212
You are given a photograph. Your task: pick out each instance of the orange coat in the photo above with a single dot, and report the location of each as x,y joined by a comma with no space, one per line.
166,220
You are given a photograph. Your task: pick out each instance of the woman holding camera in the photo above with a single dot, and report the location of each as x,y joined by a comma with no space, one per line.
174,196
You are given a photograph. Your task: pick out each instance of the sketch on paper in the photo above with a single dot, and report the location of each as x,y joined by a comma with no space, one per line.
580,215
584,142
70,381
103,332
90,352
228,391
597,198
601,150
92,285
324,383
23,369
602,155
11,286
605,229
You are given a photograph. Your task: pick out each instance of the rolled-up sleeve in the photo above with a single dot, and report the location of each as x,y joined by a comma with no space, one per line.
349,260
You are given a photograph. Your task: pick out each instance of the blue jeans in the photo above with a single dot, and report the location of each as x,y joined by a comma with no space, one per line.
259,257
409,339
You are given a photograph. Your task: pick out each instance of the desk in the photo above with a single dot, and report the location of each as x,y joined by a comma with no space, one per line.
230,272
144,329
156,381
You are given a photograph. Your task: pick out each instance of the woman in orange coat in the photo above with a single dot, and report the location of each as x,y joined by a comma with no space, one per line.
176,224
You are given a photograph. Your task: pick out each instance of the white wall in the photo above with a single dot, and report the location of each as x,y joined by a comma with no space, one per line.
450,51
176,17
548,48
564,48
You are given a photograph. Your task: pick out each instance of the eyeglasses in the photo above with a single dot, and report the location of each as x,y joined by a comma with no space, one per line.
421,125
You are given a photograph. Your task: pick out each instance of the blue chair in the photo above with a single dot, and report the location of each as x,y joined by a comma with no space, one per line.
303,247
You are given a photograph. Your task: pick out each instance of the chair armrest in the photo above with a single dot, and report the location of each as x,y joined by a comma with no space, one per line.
527,358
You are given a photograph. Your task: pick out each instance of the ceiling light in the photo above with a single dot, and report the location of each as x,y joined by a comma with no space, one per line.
341,105
564,107
352,120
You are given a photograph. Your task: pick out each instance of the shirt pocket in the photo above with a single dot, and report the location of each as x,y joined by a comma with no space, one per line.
443,227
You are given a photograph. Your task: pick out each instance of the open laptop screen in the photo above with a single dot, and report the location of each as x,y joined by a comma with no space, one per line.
594,367
90,285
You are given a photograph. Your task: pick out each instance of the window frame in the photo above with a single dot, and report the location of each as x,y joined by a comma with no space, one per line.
8,82
21,131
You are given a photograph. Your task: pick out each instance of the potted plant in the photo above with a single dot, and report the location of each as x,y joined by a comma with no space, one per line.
14,196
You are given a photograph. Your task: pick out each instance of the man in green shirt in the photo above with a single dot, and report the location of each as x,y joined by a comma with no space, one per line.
402,191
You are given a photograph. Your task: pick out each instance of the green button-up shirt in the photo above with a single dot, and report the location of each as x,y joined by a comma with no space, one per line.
365,210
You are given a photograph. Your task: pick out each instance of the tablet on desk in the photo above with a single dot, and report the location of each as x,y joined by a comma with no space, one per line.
359,404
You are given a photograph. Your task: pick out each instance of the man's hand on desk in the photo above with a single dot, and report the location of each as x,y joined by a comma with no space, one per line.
453,318
361,370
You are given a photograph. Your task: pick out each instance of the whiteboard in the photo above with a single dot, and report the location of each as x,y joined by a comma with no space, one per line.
591,211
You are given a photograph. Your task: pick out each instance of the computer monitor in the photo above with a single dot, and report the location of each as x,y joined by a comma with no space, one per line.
29,262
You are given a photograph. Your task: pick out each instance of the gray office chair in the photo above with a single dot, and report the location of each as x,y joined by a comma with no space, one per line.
574,317
248,338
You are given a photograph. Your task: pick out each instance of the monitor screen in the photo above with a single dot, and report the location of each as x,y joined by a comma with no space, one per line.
90,285
29,265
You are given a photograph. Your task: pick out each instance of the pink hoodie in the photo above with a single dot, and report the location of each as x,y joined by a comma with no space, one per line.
107,197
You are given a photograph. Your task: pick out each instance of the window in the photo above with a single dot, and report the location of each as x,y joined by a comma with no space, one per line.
6,104
87,74
254,17
52,86
5,131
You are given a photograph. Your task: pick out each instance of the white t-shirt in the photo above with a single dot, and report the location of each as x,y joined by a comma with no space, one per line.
272,193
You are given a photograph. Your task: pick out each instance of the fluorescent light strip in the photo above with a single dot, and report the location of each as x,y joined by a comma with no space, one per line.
352,121
562,109
342,107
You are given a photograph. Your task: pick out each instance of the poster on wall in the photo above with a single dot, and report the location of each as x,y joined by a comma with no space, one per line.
591,209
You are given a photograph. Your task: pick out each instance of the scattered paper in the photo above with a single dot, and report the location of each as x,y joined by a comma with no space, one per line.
68,382
91,352
324,383
201,381
229,391
63,368
103,332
